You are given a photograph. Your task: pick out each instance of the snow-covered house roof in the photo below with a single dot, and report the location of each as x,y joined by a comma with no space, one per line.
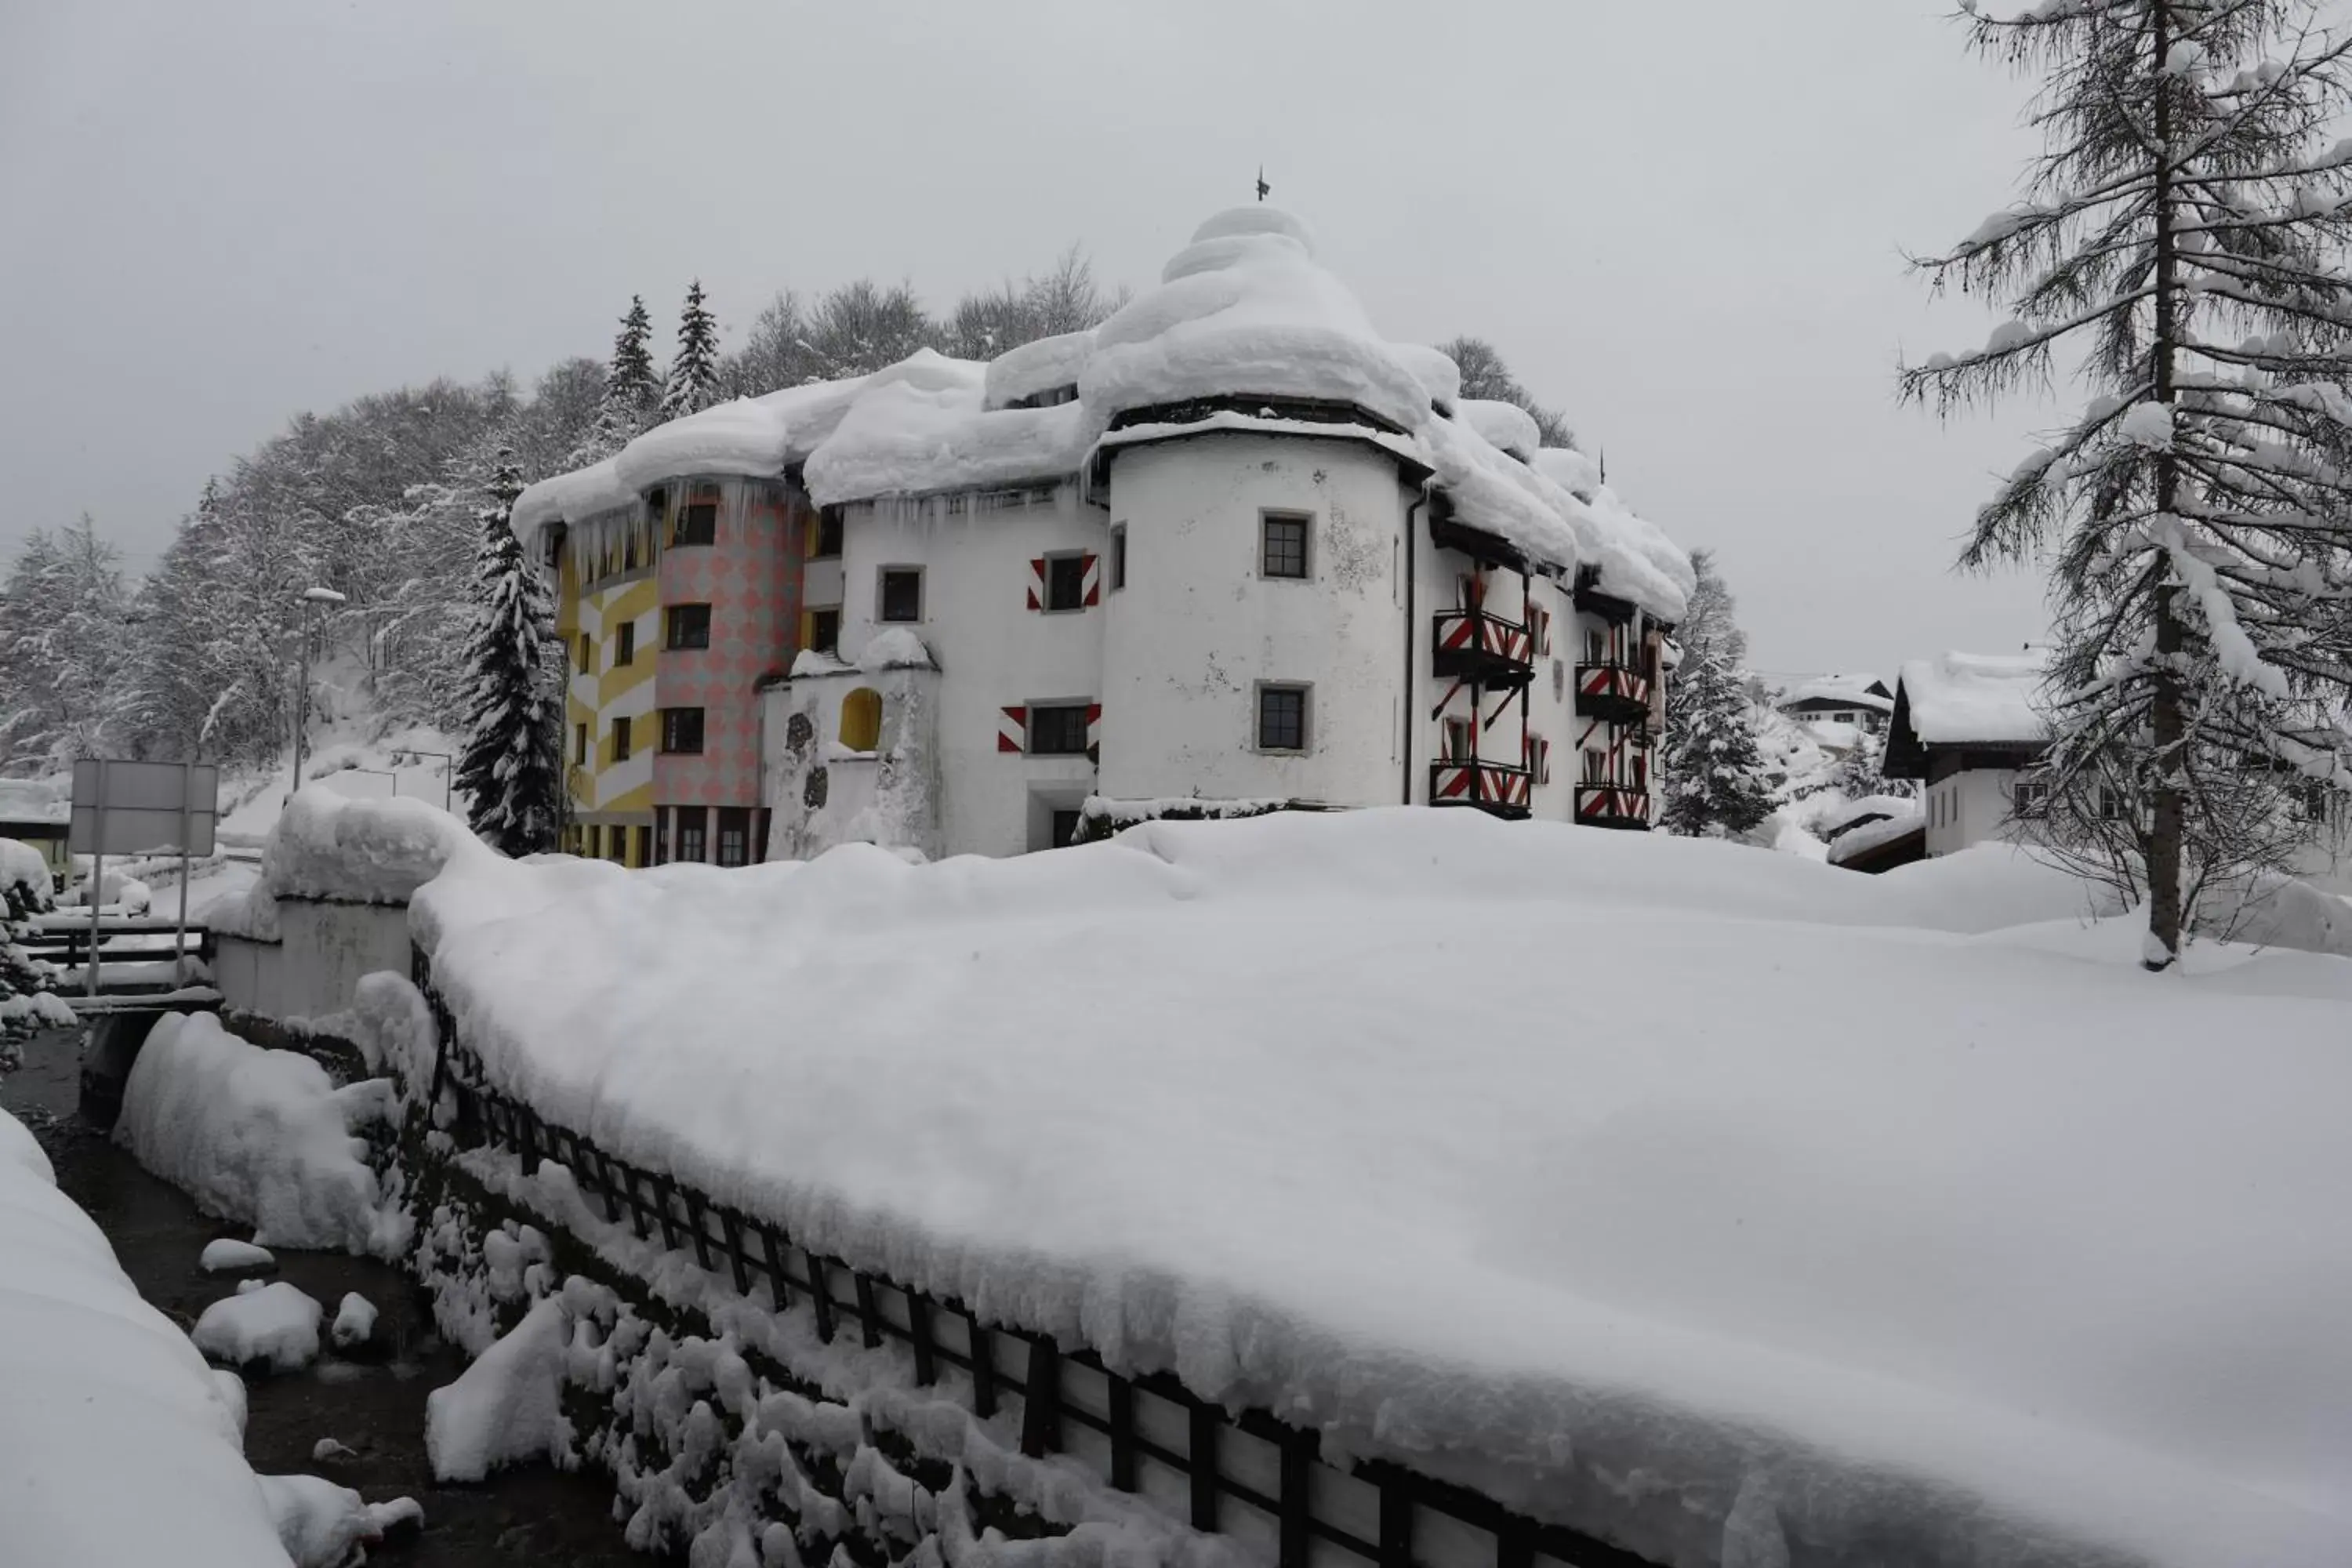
1245,312
1965,700
1841,691
25,802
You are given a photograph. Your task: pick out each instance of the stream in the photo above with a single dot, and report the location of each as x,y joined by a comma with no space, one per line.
376,1406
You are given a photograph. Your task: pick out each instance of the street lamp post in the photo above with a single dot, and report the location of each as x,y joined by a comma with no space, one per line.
312,598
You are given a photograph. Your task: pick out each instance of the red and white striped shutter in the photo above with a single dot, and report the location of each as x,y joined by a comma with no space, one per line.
1037,584
1090,587
1094,713
1013,730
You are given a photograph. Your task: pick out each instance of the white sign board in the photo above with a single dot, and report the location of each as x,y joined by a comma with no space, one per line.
132,808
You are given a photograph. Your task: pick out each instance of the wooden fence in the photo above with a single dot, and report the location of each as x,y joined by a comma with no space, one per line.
1250,1475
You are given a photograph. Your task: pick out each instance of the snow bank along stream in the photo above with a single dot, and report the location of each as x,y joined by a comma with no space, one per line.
1725,1206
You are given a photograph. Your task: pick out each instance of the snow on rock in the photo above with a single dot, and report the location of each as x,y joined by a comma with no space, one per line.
354,1321
226,1255
322,1525
21,866
1047,365
507,1407
258,1136
393,1027
1979,697
330,845
275,1324
1647,1215
104,1399
741,436
1246,309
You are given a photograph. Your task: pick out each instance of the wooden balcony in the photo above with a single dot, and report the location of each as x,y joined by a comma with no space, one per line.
1612,806
1490,786
1616,693
1472,645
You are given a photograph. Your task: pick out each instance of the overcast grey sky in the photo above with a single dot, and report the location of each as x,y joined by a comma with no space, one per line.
1682,222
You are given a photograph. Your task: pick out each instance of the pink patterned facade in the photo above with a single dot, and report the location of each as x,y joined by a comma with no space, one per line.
750,576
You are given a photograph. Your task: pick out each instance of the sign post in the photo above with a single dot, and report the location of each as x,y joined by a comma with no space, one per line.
122,807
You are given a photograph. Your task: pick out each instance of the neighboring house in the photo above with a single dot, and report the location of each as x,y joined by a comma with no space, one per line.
1861,701
1876,834
1230,552
39,812
1966,724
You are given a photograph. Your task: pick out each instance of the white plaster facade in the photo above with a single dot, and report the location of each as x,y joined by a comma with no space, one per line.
1971,806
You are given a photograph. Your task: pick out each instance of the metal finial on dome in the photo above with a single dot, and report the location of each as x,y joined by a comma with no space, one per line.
1263,190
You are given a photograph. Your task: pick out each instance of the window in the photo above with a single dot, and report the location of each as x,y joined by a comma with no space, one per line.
645,845
1065,828
621,740
828,535
2025,797
661,835
734,835
1458,740
824,630
686,625
580,745
682,731
1119,558
690,830
1057,730
1282,718
902,594
698,519
1596,647
616,845
624,643
1282,545
2111,804
861,720
1065,582
657,510
587,653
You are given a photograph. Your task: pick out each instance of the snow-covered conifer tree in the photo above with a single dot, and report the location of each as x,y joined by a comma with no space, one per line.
2181,236
27,986
694,374
512,765
632,389
1858,774
1714,782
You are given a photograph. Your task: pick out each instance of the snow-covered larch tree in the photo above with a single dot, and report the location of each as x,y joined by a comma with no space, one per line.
1714,782
2179,239
512,765
694,374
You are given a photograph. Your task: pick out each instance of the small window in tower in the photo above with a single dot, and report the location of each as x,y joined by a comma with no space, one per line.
698,519
686,625
1065,582
1119,558
656,507
1283,544
901,593
587,653
682,730
824,630
828,535
621,740
1057,729
1282,718
580,745
624,643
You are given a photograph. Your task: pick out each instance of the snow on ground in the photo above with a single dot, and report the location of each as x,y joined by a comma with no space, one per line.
230,1256
274,1323
354,1320
258,1136
508,1406
322,1525
117,1444
1522,1151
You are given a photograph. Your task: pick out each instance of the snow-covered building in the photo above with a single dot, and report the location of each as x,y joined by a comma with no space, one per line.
1229,551
1861,701
1966,724
38,812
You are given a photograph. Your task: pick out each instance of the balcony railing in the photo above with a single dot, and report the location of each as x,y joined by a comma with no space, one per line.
1618,693
1612,806
1490,786
1472,645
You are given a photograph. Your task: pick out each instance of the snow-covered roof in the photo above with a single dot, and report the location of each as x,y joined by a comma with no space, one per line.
1853,813
1974,698
1040,366
48,800
1874,832
1826,1303
1847,690
1243,310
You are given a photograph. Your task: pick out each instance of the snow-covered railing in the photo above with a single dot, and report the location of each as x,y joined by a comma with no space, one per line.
1247,1474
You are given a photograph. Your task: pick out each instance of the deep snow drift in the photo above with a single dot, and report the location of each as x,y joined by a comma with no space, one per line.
258,1136
1526,1152
117,1445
